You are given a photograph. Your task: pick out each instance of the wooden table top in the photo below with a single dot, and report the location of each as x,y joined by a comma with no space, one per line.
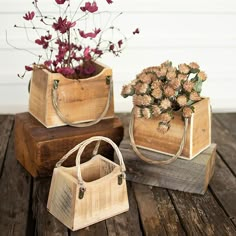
153,210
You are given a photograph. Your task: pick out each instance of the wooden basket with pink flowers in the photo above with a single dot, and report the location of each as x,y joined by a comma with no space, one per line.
169,115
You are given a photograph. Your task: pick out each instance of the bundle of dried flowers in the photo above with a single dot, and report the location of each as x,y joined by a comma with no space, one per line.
161,90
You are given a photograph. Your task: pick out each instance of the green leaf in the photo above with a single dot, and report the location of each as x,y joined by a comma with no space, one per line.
198,86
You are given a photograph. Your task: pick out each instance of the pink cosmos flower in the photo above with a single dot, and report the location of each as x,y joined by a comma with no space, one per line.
66,71
44,41
109,1
60,1
63,25
97,51
90,34
87,54
90,7
29,15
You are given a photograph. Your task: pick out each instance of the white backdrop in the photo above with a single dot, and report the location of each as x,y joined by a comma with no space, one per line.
181,31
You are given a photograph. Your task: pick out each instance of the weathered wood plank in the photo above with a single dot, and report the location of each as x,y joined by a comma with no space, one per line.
156,211
228,121
127,223
201,215
223,184
15,185
6,122
96,229
189,176
45,223
226,143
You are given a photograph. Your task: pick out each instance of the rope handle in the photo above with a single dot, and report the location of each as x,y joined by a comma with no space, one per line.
90,140
86,124
148,160
81,146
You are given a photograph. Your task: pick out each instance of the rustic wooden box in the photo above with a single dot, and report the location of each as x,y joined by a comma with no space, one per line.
198,134
187,176
78,100
38,148
85,194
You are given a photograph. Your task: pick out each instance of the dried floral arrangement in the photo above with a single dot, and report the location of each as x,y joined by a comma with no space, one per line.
160,90
70,42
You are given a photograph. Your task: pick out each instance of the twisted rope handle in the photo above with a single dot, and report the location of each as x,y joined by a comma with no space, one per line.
81,146
148,160
80,125
90,140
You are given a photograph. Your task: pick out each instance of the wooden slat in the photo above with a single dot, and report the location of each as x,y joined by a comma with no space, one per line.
6,122
45,223
223,184
15,185
156,211
201,215
226,143
127,223
228,121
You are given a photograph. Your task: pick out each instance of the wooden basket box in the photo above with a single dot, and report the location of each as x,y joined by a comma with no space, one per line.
78,100
198,136
38,149
86,194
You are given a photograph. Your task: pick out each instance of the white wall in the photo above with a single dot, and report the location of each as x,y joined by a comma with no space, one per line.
181,31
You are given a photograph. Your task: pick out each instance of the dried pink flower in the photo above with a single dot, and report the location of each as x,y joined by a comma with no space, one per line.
127,90
29,15
184,68
194,96
156,110
202,75
165,103
157,93
169,91
171,75
166,117
188,86
187,112
182,77
90,7
193,65
182,100
156,84
175,83
137,112
146,113
163,127
141,88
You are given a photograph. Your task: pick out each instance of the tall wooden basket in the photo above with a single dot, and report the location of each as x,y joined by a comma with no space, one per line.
87,193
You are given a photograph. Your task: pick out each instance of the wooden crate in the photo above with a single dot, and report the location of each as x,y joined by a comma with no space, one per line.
38,148
188,176
198,134
78,100
85,194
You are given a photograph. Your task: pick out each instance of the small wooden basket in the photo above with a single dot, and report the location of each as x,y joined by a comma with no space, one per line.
87,193
185,139
57,101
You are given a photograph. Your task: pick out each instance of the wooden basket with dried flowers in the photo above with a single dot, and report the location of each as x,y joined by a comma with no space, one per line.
169,115
68,85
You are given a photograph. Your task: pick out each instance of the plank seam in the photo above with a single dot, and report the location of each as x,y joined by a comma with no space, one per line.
177,212
221,205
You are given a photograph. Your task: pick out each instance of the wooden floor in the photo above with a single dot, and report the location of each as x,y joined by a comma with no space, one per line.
153,211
